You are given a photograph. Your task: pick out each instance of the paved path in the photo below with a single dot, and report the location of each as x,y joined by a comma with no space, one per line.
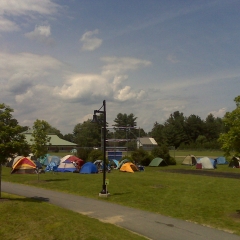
150,225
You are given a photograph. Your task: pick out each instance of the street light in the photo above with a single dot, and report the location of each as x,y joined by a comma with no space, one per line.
95,120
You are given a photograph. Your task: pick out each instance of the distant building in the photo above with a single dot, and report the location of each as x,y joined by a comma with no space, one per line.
56,143
146,143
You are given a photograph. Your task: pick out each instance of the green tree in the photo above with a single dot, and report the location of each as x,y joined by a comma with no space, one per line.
11,140
53,130
174,130
87,134
40,139
194,126
158,133
140,156
212,127
69,137
163,152
230,140
125,121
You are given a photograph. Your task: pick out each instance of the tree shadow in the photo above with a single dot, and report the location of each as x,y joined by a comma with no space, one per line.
57,180
121,193
32,199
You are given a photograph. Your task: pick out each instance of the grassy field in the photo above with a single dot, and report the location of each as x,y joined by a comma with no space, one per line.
206,200
28,219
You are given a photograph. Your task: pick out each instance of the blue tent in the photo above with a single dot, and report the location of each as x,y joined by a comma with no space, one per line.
51,167
221,160
89,167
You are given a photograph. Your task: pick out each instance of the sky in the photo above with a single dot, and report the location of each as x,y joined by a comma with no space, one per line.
60,59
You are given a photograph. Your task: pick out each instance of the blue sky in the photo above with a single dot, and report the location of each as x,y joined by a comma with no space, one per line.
60,59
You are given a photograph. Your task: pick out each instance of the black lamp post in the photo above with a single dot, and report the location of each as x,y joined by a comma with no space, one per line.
95,120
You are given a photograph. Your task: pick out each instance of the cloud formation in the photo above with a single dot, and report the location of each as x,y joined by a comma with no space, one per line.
41,33
107,84
12,10
90,42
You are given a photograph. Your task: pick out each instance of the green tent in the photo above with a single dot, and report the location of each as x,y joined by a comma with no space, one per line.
156,162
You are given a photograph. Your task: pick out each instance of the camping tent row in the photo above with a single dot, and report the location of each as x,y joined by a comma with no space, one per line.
191,160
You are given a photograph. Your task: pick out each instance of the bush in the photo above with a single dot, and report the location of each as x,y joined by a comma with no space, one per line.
163,152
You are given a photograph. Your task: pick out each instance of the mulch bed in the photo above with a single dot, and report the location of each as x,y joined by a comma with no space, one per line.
210,173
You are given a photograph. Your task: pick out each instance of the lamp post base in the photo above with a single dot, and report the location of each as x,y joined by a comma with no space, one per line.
104,194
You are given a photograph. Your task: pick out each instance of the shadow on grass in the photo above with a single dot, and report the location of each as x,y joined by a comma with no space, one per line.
32,199
57,180
122,193
49,180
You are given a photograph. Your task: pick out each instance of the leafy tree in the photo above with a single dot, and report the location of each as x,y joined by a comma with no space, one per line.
82,153
94,155
158,133
53,130
194,127
212,127
87,134
174,130
163,152
125,121
40,138
69,137
11,140
231,139
141,156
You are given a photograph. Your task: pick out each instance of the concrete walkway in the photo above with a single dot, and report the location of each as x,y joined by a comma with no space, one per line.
150,225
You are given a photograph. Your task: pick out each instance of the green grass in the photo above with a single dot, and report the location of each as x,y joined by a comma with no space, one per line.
29,219
206,200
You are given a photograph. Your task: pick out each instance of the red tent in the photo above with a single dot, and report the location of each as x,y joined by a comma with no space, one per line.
24,165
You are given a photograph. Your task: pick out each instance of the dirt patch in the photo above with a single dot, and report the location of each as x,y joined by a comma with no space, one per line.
209,173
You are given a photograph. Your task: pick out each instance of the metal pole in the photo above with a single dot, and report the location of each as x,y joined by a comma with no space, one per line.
104,190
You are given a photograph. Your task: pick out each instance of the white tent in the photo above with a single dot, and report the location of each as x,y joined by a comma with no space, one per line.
206,163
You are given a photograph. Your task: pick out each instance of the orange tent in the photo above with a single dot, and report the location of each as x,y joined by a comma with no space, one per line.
129,167
24,165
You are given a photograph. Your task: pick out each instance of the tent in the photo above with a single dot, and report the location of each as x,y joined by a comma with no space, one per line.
43,160
156,162
88,168
122,162
189,160
66,165
129,167
221,160
24,165
54,159
235,162
206,163
77,162
51,167
114,163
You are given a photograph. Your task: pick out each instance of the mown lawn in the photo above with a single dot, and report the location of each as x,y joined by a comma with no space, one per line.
206,200
29,219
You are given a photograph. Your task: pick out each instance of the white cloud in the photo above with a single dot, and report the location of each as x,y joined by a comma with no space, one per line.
220,113
18,72
29,8
7,25
90,42
107,84
41,34
116,65
25,7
